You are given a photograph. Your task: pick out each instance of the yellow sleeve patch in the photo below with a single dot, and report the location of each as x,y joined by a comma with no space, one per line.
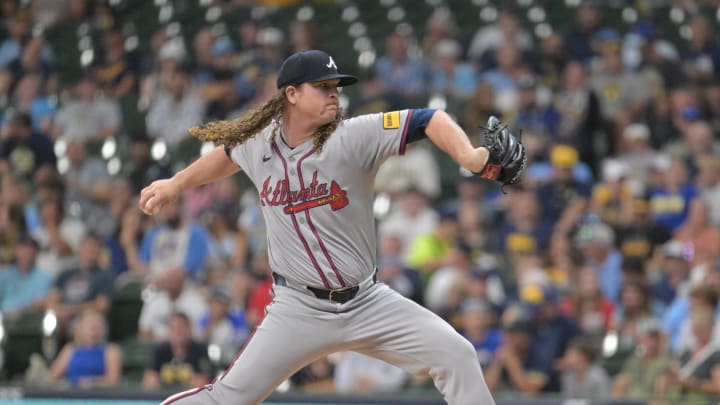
391,120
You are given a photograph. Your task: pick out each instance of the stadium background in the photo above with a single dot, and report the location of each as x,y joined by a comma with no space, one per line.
613,237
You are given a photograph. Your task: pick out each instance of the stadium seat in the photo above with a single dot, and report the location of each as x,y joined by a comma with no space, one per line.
24,337
125,312
136,356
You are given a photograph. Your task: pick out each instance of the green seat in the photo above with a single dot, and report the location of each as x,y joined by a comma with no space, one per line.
24,337
124,312
136,356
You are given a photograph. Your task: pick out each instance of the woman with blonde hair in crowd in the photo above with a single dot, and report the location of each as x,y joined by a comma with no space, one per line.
88,361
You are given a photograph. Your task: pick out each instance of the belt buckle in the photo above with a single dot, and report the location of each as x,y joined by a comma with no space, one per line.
339,291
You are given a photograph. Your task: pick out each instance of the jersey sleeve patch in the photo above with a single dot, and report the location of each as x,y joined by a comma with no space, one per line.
391,120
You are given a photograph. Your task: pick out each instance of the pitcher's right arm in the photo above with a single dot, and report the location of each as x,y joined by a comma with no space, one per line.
207,169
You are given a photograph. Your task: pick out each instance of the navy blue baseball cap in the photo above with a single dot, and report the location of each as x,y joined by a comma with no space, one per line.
311,66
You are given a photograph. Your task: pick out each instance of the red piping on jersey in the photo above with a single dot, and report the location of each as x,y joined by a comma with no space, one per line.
295,224
312,227
403,140
178,397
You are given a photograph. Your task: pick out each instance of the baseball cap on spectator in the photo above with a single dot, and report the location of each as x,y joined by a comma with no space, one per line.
222,46
636,132
690,113
661,163
527,82
221,294
645,30
613,170
173,50
564,156
27,240
311,66
607,39
269,36
594,233
519,325
648,325
675,250
447,48
474,304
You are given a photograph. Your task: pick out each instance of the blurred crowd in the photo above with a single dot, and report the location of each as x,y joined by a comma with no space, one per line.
598,276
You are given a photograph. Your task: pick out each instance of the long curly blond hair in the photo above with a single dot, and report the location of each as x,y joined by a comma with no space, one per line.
237,131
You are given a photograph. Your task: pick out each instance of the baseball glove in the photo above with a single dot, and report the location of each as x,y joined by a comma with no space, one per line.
507,159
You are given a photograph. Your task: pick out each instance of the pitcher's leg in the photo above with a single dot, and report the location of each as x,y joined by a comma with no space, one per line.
287,339
404,333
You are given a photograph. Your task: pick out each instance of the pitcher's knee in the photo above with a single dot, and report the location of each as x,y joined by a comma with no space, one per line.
461,359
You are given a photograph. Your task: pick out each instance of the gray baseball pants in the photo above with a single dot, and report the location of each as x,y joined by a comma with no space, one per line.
379,322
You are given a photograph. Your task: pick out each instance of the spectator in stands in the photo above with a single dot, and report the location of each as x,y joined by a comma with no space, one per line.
638,155
304,36
697,373
202,51
582,376
506,31
401,73
89,285
503,77
89,361
168,244
478,327
59,237
701,56
578,40
87,115
22,151
228,249
635,305
563,198
261,291
142,169
168,55
219,90
514,368
612,198
439,26
18,30
315,377
708,182
536,119
224,325
430,251
179,361
596,243
373,97
88,189
449,75
29,100
579,108
115,69
641,372
623,94
659,56
412,216
391,271
30,61
174,110
640,235
400,172
670,200
703,298
587,305
552,60
23,286
439,296
523,230
355,372
698,231
478,109
173,292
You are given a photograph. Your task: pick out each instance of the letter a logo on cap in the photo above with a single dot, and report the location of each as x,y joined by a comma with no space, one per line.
331,64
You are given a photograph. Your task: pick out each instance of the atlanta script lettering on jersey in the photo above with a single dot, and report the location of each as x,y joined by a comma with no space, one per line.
314,195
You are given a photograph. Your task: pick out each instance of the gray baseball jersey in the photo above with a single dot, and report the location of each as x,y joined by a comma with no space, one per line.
321,233
308,198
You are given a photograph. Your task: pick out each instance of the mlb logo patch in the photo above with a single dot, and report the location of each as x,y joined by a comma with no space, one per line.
391,120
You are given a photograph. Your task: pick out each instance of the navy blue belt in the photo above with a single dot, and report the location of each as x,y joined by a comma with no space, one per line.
339,295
